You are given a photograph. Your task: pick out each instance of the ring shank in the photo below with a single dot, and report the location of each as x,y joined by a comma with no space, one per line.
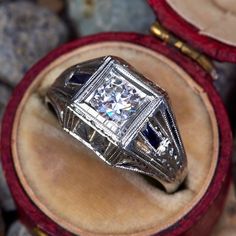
151,144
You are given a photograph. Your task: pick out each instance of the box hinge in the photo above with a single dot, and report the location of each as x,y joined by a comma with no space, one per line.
38,232
160,32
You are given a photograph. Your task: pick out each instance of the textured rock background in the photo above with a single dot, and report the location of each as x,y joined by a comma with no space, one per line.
5,93
27,33
91,16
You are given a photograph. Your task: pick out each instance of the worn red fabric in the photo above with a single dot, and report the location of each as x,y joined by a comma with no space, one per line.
184,30
206,211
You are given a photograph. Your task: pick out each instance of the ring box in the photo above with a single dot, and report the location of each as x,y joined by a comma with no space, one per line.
61,188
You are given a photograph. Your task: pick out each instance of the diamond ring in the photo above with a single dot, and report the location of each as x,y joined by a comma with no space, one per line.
122,117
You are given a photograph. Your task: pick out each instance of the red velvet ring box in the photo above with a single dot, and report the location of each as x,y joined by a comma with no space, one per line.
59,186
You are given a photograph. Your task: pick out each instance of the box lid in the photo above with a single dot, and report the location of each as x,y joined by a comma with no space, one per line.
208,28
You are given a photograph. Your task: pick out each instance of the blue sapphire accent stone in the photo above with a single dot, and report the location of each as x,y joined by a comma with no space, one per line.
151,136
79,78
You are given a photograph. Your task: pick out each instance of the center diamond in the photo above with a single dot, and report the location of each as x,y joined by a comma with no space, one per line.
116,99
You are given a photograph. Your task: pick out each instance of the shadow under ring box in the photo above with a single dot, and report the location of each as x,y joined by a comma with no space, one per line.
60,188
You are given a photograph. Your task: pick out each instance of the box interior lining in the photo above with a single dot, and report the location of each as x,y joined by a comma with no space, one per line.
84,195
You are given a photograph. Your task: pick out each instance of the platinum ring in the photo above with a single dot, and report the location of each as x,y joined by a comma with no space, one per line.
122,117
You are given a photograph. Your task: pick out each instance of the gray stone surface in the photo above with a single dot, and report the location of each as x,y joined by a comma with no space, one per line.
225,84
6,201
17,229
27,32
5,93
91,16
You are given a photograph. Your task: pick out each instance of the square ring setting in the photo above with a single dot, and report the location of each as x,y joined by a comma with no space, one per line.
115,100
122,117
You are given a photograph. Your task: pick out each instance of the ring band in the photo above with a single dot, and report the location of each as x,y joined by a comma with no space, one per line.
122,117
